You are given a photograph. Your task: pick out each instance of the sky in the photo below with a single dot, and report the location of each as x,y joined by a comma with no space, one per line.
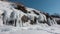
49,6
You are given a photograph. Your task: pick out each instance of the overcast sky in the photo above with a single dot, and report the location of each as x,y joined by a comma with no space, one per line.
50,6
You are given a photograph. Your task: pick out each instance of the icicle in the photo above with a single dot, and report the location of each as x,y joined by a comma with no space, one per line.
54,21
1,21
21,24
49,21
18,23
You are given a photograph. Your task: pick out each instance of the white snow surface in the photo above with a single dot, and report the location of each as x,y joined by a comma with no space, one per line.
32,29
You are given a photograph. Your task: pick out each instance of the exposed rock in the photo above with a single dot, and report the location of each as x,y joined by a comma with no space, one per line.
58,22
24,19
35,12
21,7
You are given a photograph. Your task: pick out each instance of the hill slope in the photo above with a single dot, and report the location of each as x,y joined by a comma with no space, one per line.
16,18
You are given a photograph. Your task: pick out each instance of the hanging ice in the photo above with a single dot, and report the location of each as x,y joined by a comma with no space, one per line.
11,14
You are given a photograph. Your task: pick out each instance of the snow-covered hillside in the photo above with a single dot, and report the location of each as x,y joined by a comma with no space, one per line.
15,18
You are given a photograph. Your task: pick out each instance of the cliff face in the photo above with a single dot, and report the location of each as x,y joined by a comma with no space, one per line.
16,14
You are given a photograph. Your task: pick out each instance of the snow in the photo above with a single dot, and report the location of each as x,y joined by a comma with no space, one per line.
29,9
40,29
28,28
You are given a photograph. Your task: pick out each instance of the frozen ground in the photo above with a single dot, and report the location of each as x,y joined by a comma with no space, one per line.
35,29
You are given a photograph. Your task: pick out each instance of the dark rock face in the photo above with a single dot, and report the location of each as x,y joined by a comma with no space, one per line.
58,22
21,7
11,22
35,12
24,19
